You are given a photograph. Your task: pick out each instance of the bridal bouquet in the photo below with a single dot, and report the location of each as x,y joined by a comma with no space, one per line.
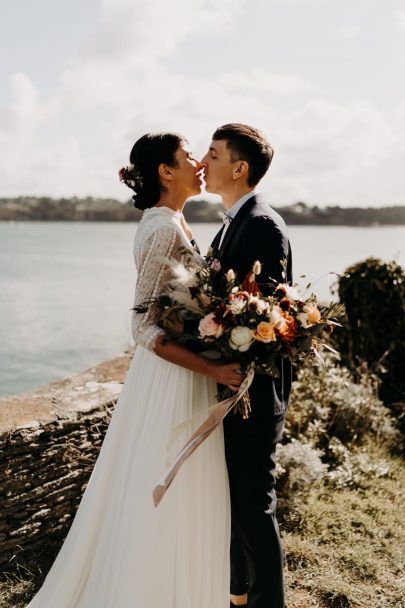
236,322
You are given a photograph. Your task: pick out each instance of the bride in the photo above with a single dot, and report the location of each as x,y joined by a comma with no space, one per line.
120,551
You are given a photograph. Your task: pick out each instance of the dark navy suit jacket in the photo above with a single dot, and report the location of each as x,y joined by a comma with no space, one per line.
257,232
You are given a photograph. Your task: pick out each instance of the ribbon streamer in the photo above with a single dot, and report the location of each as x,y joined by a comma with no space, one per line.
201,434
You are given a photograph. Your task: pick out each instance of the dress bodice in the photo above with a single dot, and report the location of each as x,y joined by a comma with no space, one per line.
159,237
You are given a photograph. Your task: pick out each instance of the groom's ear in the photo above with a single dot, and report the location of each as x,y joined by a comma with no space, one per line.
165,172
241,169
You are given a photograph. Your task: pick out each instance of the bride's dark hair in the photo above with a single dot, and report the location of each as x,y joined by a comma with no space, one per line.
142,176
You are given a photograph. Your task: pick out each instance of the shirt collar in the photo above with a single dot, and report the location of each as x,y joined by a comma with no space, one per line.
239,204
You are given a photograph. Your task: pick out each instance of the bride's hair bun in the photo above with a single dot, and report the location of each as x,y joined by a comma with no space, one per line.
142,175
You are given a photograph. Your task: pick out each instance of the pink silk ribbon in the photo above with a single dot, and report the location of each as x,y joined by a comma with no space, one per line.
205,429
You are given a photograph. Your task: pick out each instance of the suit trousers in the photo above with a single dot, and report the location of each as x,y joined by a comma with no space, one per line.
256,552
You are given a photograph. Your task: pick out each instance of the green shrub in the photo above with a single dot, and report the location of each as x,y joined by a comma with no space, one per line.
331,422
373,293
354,468
326,402
299,465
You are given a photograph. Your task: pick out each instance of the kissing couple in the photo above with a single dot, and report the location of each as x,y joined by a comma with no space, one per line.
214,539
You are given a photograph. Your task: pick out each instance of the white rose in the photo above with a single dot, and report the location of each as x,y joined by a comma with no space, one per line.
241,338
276,317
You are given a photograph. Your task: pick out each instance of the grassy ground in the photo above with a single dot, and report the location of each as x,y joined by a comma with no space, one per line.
343,548
346,548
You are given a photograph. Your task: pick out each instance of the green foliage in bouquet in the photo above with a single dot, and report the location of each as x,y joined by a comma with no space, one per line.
374,298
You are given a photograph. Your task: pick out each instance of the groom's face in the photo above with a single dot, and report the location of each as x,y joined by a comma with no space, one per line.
218,167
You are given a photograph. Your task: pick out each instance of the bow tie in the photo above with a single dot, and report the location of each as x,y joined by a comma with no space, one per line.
226,219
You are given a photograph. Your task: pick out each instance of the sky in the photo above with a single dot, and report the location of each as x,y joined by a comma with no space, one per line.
323,79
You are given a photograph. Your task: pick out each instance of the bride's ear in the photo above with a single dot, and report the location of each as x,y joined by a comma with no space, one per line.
241,169
165,172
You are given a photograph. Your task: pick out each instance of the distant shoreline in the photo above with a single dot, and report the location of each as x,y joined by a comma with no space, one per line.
45,209
216,222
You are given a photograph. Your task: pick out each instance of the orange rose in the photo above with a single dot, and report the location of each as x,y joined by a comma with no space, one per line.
264,332
288,329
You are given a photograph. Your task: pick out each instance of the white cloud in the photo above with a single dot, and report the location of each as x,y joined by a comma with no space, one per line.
134,40
323,147
25,111
32,162
138,33
346,135
350,31
122,85
261,80
401,19
119,74
304,2
18,123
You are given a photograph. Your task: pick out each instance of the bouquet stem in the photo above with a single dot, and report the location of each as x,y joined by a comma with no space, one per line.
243,406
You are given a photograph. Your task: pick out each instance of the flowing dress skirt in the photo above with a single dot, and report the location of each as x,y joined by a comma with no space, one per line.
120,551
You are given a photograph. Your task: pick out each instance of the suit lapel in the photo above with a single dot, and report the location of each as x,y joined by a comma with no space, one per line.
217,238
236,222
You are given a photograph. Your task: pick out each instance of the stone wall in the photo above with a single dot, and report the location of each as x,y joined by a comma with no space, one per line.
49,441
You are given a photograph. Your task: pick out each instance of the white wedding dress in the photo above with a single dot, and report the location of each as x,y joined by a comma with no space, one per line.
120,551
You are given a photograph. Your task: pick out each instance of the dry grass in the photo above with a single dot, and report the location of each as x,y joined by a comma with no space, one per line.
16,589
344,548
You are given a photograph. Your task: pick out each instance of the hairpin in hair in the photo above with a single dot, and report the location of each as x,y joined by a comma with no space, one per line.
131,176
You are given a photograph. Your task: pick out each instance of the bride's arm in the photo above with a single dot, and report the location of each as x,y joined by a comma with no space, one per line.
153,274
227,374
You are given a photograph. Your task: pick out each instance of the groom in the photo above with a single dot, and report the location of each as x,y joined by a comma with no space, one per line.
236,161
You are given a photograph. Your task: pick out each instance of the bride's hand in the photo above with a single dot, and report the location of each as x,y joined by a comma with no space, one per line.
229,374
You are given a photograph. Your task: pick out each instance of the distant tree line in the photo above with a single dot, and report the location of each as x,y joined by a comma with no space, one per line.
91,209
301,213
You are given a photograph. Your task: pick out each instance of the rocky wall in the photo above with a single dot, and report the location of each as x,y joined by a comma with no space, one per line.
49,442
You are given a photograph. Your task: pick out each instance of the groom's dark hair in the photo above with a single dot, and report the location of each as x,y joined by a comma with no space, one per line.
248,144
